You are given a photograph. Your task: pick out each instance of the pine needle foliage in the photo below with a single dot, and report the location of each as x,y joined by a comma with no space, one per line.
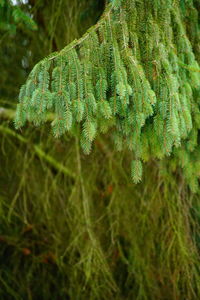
76,228
12,16
135,73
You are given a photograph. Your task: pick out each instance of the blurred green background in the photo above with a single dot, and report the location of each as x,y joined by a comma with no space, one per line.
74,226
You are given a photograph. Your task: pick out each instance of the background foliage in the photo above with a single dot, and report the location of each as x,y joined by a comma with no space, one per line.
74,226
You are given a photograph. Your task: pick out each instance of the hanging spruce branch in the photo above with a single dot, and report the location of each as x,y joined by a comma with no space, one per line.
134,72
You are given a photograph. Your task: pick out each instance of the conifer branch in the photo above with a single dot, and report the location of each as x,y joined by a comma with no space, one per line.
134,72
78,42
